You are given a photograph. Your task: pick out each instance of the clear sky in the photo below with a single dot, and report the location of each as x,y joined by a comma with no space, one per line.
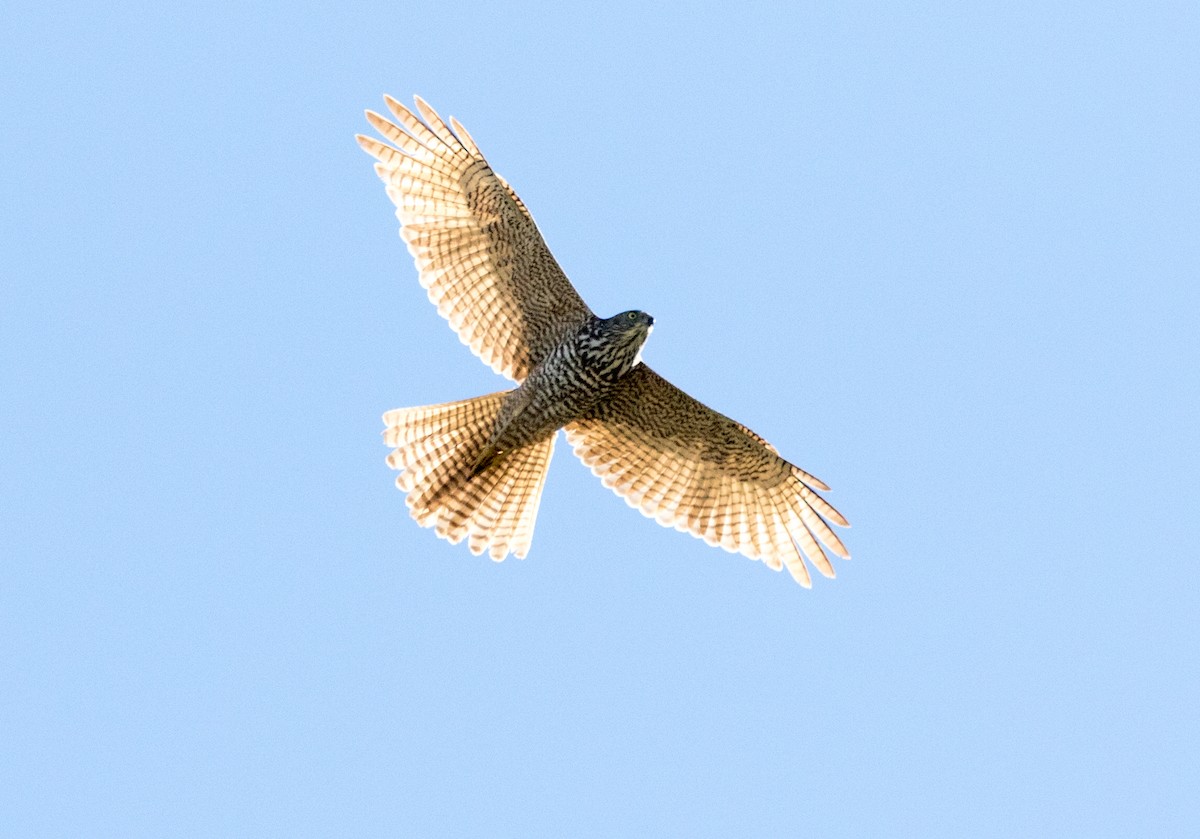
944,256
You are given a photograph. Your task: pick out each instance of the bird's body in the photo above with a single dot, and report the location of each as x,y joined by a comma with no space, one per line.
475,469
576,375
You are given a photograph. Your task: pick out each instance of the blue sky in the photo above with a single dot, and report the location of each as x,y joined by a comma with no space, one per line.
944,256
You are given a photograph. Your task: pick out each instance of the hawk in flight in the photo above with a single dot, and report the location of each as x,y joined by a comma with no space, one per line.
475,469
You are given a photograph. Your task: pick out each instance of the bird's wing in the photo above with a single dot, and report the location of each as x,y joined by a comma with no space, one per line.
476,247
687,466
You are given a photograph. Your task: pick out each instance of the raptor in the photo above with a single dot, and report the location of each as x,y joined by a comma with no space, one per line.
475,469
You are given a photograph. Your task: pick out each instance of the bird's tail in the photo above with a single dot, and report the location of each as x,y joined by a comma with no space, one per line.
438,449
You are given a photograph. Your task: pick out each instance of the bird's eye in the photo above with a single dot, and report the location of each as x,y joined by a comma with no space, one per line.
632,316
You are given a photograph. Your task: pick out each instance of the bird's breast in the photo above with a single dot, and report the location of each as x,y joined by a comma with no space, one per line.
563,388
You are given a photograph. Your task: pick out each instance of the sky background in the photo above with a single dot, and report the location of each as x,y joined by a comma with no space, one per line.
944,256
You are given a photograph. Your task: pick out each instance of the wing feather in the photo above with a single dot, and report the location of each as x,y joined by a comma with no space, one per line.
687,466
476,247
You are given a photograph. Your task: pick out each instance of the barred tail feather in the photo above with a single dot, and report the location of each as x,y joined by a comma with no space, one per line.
436,449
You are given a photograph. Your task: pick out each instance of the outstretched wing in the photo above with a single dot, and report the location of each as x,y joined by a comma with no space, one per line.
476,247
687,466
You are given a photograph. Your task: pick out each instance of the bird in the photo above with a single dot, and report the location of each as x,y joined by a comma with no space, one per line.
475,469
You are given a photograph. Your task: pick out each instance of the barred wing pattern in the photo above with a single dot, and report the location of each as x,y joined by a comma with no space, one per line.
477,249
689,467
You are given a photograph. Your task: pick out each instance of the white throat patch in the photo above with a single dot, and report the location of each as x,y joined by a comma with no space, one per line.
637,359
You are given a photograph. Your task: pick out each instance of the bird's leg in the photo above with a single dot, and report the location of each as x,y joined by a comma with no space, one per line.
486,458
515,404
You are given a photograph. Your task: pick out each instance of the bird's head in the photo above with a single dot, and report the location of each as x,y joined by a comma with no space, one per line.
628,329
615,343
632,320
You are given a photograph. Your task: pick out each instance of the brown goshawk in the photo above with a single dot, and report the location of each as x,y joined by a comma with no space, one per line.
475,469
